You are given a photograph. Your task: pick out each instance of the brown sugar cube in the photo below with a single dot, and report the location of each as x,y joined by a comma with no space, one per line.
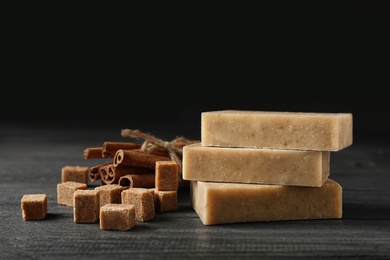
167,176
165,200
110,194
65,192
117,216
34,206
74,173
143,200
86,206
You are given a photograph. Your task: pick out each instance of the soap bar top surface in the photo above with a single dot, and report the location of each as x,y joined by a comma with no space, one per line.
279,130
221,203
255,165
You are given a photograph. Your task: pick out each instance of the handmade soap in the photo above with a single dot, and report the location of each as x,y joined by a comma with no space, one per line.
221,203
255,165
279,130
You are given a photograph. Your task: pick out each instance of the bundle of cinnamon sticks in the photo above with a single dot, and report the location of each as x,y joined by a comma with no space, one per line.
133,164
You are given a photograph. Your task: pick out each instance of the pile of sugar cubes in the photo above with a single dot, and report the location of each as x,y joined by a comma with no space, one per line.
255,166
113,206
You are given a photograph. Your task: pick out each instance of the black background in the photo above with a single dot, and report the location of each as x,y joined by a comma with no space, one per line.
166,70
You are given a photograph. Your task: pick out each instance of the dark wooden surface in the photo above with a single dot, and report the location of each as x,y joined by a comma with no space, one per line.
31,158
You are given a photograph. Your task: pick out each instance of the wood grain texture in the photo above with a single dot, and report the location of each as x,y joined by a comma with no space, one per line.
31,160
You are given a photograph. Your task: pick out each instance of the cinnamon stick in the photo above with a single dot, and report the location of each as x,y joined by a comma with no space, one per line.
107,174
137,158
94,171
109,148
93,153
110,174
137,180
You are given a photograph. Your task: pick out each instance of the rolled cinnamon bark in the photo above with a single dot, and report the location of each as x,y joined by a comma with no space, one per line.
109,148
94,171
110,174
107,174
93,153
137,158
146,180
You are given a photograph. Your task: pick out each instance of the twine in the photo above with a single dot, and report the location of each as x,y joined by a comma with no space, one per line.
174,148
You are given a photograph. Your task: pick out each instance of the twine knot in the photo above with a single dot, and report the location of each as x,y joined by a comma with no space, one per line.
173,148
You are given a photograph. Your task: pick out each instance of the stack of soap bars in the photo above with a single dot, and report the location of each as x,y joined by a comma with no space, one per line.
255,166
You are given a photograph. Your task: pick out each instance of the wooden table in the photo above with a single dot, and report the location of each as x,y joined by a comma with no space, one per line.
31,158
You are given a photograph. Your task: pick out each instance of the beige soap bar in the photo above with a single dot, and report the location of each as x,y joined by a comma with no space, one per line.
280,130
221,203
255,165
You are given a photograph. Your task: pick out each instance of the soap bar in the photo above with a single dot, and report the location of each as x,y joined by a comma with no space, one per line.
222,203
255,165
279,130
